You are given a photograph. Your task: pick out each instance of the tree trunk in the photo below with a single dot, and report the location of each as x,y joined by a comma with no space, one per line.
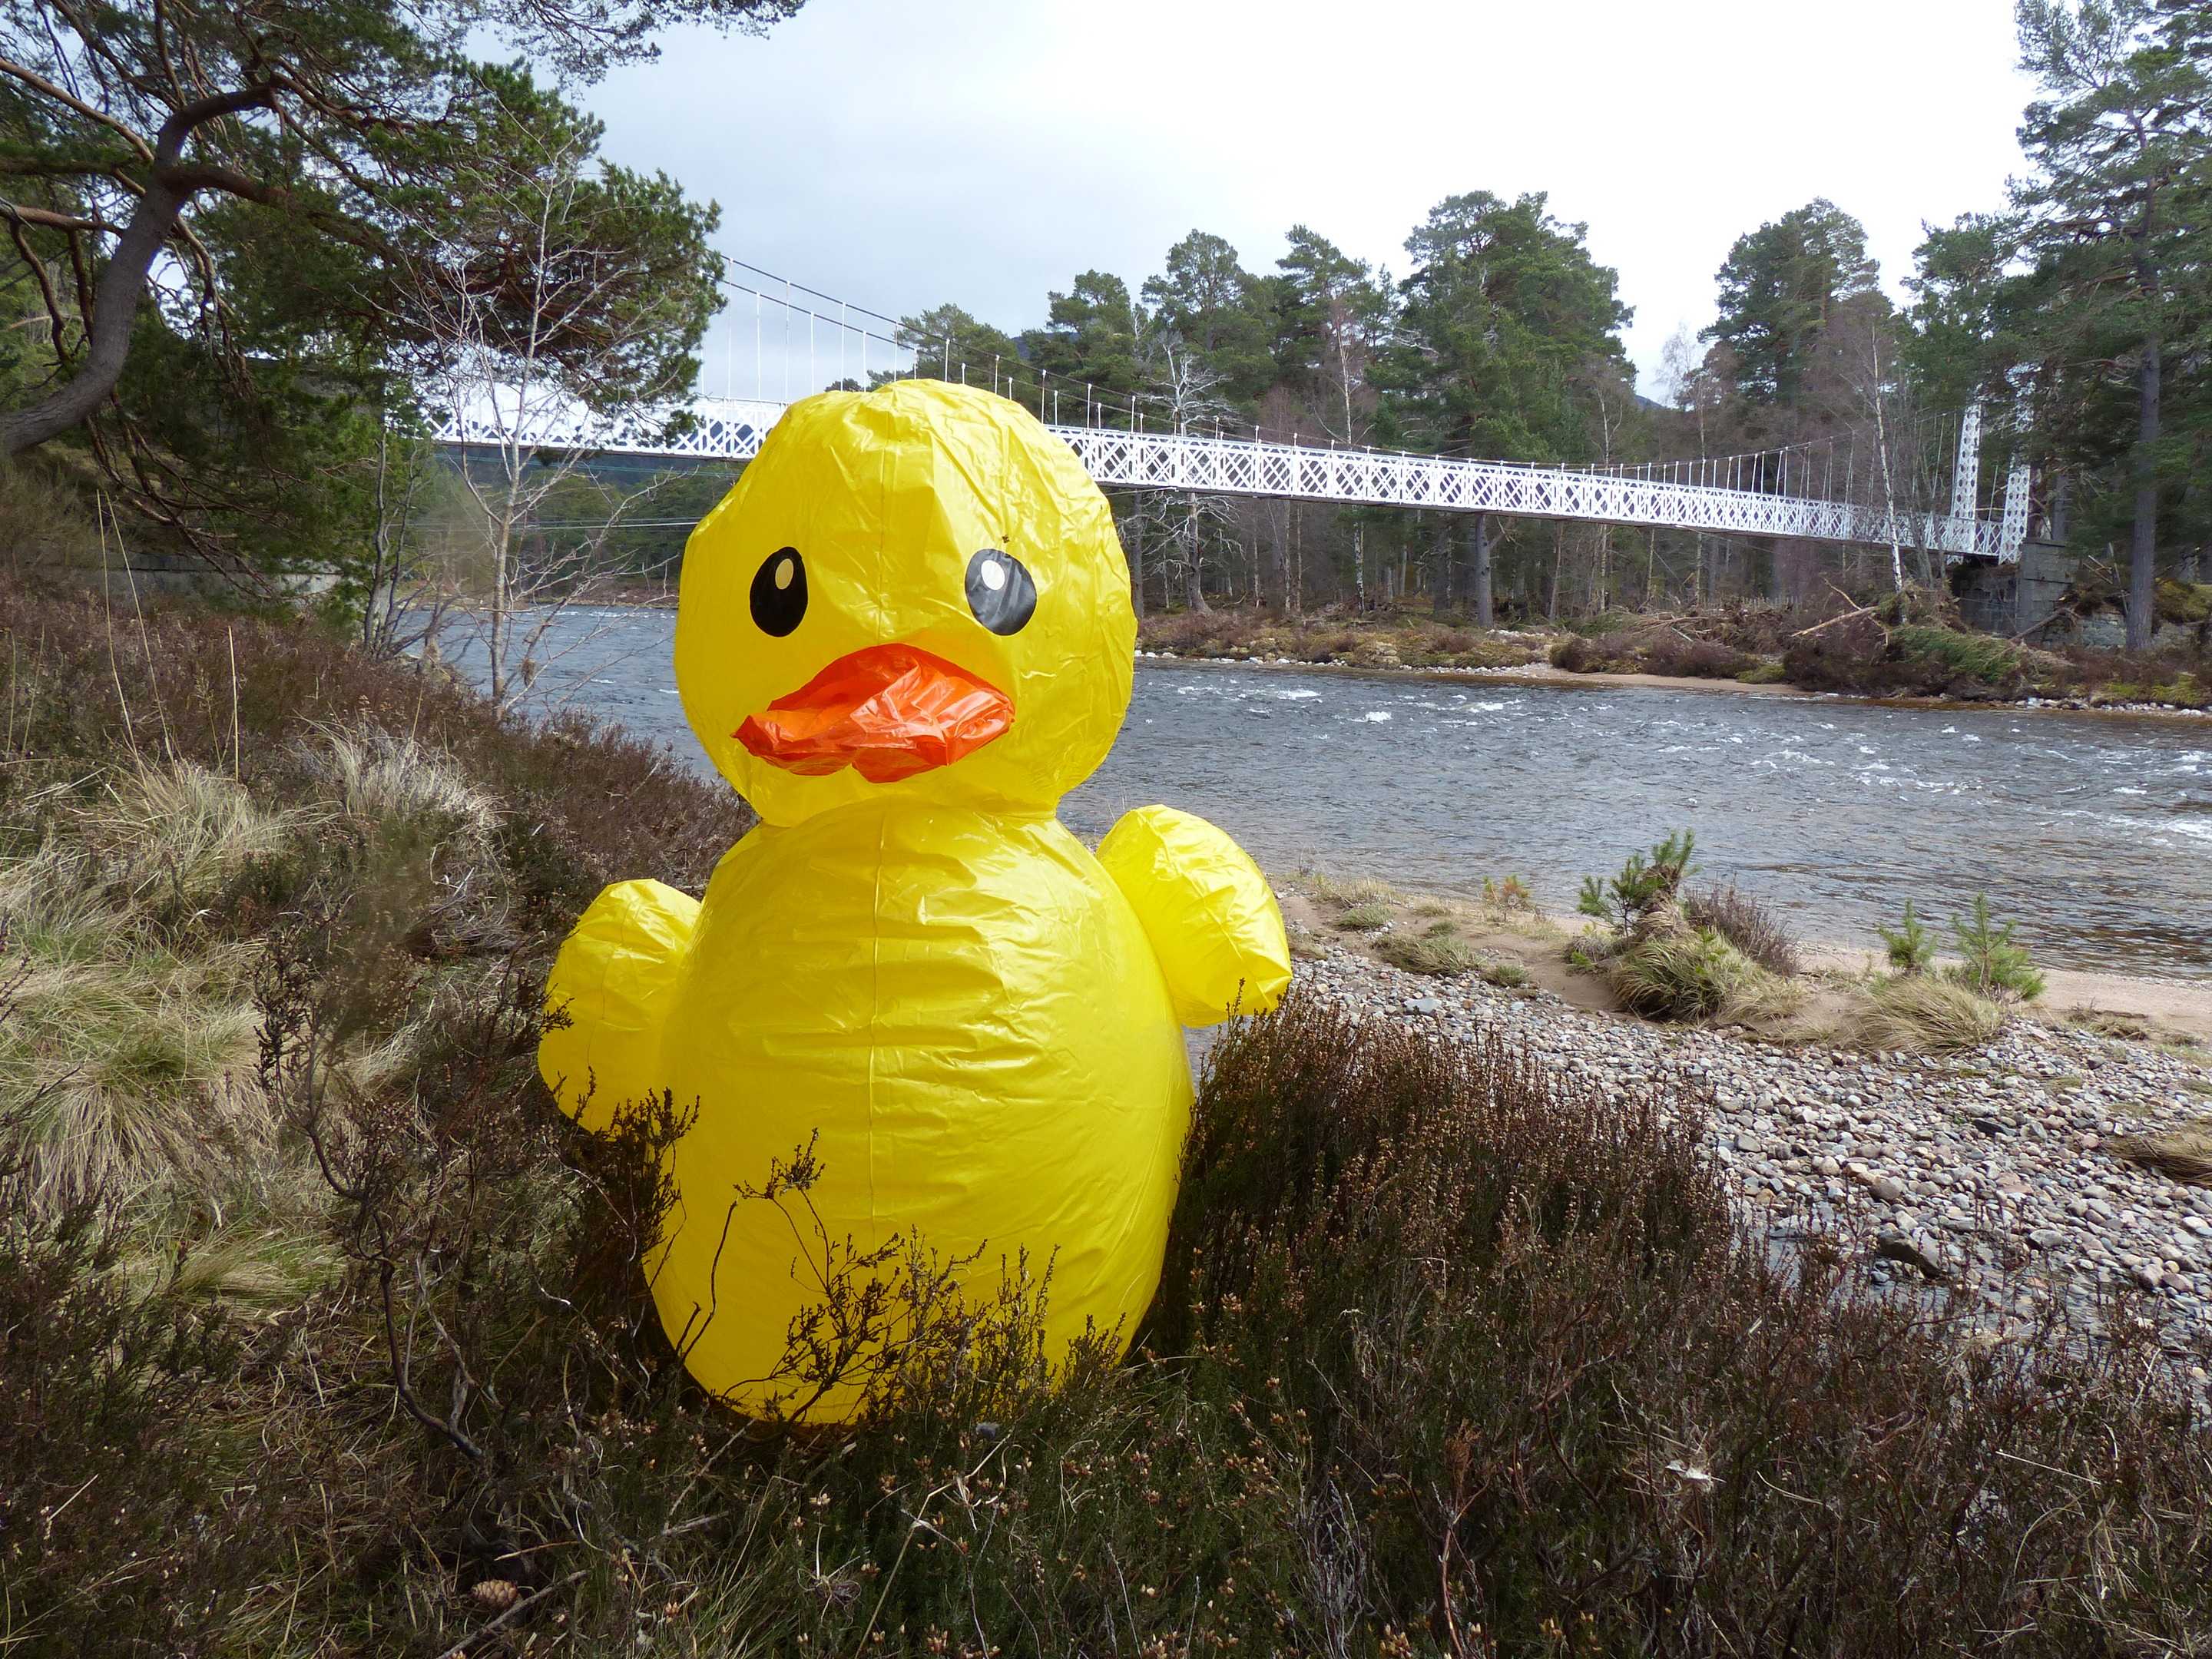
1193,586
2143,568
1482,543
123,285
115,306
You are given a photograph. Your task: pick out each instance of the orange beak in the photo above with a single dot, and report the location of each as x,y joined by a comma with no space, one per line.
890,712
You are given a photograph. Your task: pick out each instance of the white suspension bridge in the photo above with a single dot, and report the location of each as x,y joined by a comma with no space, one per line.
1749,496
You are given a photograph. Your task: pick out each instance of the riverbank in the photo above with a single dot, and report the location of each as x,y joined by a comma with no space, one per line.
1906,648
1997,1168
326,1331
1994,1167
1995,1174
1544,674
2169,1013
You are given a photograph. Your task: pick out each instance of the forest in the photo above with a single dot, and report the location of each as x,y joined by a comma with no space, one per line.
243,276
2075,317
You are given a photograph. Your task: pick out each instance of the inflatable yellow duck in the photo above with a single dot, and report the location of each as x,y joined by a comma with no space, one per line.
903,636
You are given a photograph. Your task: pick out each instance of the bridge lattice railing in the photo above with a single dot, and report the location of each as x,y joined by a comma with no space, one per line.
732,430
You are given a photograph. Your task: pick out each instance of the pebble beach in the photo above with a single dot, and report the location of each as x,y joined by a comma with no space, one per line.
1989,1172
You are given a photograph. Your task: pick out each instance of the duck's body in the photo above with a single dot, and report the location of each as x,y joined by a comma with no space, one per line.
963,1015
912,1012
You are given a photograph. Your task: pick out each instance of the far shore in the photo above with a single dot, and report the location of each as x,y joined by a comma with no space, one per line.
1545,674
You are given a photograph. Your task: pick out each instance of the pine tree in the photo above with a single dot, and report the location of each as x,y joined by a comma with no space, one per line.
1218,310
2115,220
1509,329
1786,287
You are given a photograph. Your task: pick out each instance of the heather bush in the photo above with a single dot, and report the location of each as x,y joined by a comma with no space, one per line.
1747,923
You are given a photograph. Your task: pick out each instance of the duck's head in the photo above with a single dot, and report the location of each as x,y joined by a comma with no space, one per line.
915,591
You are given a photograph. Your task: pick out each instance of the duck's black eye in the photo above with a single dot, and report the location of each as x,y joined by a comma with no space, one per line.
999,592
780,592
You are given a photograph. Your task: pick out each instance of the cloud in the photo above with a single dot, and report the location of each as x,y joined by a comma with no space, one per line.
986,151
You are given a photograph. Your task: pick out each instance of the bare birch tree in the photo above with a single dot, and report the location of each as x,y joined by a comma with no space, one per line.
571,305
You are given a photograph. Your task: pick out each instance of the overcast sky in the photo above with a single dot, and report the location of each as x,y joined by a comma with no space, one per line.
899,154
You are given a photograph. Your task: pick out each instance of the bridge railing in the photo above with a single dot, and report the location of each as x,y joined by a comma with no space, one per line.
1228,467
731,429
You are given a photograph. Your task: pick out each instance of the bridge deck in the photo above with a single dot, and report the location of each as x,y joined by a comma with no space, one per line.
731,430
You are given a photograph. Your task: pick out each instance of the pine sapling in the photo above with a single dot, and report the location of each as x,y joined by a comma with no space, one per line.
1910,945
1995,962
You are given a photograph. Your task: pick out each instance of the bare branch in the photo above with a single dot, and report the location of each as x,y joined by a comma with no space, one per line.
38,83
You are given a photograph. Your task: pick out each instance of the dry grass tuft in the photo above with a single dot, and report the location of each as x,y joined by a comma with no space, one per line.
2184,1154
1436,954
128,1055
381,777
2122,1025
1695,974
1363,918
1360,890
176,834
1923,1014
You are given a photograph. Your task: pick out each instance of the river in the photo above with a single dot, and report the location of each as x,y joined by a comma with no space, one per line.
2094,830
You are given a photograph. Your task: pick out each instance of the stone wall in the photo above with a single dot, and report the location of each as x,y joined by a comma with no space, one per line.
2013,599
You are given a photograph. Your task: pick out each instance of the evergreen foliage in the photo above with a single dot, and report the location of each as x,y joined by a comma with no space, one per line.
2088,299
1909,946
237,230
1785,288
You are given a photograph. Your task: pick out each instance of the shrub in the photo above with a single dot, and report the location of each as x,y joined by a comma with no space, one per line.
1945,655
1746,923
1996,963
118,1525
1692,974
1667,652
1508,893
1642,884
1531,1375
1909,945
1580,654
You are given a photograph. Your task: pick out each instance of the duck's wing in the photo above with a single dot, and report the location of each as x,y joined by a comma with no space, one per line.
608,997
1209,912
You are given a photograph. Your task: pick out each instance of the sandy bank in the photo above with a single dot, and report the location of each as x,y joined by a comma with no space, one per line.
2168,1006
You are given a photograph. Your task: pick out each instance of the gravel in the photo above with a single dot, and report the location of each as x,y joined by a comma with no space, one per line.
1983,1171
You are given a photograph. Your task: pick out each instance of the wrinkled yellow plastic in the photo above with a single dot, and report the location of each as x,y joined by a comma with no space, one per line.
964,1010
924,992
609,998
1210,913
887,495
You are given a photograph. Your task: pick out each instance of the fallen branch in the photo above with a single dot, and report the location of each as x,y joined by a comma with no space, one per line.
1852,615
